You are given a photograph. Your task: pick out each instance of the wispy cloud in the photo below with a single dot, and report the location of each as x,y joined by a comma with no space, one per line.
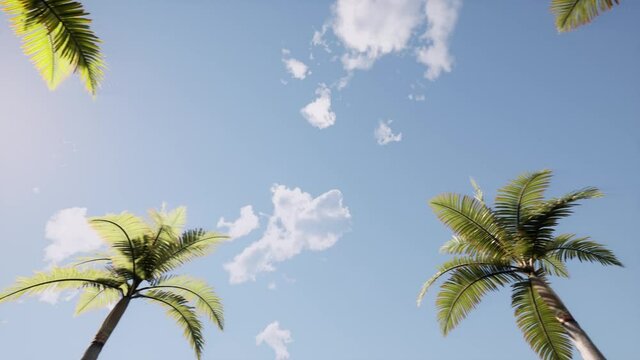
70,234
276,338
441,18
295,67
371,29
318,113
299,222
384,135
242,226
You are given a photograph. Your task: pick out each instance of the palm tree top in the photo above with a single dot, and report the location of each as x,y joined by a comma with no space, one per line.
512,243
137,264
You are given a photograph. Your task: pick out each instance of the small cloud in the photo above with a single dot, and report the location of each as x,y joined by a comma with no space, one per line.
272,285
275,338
417,97
384,135
70,234
299,222
441,18
318,38
295,67
245,224
318,113
35,190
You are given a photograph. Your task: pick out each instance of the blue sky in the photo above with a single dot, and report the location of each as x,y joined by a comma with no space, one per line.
202,106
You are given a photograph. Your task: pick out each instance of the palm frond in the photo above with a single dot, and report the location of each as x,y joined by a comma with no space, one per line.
57,37
197,291
517,198
472,221
571,14
451,265
192,244
178,308
124,233
464,289
173,220
540,225
538,323
59,279
477,191
553,265
95,298
567,246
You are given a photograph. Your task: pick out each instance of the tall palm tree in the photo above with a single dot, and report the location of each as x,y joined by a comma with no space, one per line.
136,266
57,37
514,244
571,14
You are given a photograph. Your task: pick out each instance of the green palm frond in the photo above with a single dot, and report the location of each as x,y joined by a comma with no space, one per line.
451,265
567,246
191,244
553,265
571,14
516,199
173,221
57,37
542,220
179,309
58,279
124,233
474,222
196,291
538,323
464,289
96,298
457,245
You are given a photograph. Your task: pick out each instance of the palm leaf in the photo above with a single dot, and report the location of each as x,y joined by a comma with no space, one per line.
571,14
567,246
451,265
178,308
462,292
96,298
477,191
472,221
519,196
191,244
553,265
199,292
538,323
58,39
124,233
58,279
542,221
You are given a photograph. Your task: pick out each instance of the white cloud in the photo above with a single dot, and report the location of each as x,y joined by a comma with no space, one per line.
417,97
370,29
276,338
70,234
36,190
246,223
272,285
373,28
318,113
384,135
299,222
297,68
441,17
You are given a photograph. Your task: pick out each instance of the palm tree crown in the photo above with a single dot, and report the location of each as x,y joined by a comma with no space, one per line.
140,255
513,244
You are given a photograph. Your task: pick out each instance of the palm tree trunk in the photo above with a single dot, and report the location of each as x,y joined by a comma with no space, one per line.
583,343
106,329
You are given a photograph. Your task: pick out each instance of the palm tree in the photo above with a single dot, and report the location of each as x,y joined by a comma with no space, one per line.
57,37
571,14
514,244
136,266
